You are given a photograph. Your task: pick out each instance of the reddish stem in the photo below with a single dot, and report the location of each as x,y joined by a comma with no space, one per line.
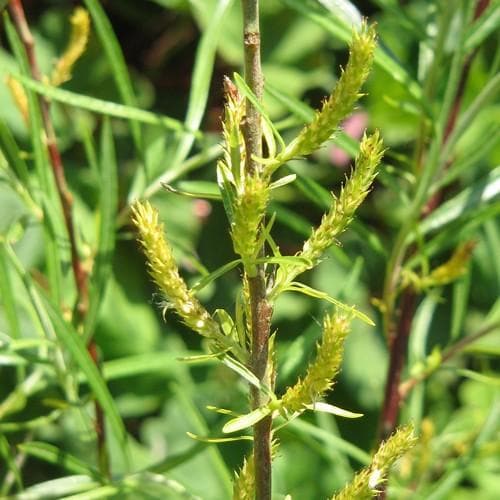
399,342
80,275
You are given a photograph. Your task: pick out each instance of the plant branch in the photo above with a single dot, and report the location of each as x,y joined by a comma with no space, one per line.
406,387
398,334
80,275
261,310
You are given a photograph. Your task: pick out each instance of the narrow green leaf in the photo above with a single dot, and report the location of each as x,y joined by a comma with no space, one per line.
333,410
245,421
158,363
5,453
32,424
108,209
200,86
206,280
200,427
480,377
227,191
53,455
74,344
54,229
107,108
195,189
108,491
8,299
11,151
283,181
488,23
312,292
203,439
299,426
247,92
116,61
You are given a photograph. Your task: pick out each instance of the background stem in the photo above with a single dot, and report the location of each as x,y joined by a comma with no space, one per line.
17,13
261,310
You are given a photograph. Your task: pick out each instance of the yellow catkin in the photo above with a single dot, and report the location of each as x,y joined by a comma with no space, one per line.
80,29
19,95
321,372
451,270
365,484
163,269
341,101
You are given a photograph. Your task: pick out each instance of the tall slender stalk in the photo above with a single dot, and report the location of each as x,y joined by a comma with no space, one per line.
261,310
397,324
80,275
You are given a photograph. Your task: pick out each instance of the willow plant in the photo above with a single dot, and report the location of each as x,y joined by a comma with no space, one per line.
247,179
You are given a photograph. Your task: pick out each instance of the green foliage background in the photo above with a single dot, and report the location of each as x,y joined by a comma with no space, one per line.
170,59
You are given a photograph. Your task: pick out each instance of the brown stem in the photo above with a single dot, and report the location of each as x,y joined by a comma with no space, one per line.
261,310
17,13
399,343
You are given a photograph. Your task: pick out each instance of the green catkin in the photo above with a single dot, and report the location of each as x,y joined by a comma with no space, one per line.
321,372
163,269
244,484
342,100
248,213
353,193
365,483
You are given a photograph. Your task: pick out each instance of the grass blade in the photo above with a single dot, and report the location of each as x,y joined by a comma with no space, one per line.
117,63
484,191
200,86
75,346
108,201
100,106
53,455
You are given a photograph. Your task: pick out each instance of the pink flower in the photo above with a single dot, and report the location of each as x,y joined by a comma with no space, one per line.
354,126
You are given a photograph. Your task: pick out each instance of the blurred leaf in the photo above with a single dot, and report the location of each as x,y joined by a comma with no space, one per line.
54,230
108,200
480,377
116,61
102,107
488,23
300,426
12,153
5,453
58,488
58,457
74,344
466,204
200,86
8,298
